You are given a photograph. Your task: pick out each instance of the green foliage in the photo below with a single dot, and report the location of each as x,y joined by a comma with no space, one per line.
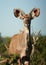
39,57
7,40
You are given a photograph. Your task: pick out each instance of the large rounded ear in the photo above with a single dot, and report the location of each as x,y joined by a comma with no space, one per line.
18,13
35,12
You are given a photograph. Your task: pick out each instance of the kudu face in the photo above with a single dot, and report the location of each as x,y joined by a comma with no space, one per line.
27,17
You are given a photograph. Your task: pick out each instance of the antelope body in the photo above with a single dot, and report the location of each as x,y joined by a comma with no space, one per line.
21,43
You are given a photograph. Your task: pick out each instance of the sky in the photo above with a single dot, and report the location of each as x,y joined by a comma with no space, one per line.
10,25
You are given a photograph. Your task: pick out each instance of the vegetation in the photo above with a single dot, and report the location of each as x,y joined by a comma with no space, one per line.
39,57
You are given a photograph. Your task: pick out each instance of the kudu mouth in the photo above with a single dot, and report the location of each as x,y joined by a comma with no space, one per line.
27,21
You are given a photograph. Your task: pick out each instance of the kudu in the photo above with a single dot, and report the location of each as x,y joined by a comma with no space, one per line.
21,43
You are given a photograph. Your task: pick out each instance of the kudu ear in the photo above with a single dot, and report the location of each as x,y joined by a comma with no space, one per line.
18,13
35,12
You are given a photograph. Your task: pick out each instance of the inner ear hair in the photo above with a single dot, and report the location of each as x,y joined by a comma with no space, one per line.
19,13
35,12
16,12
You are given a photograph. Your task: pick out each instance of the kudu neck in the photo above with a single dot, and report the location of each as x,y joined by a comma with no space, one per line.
27,28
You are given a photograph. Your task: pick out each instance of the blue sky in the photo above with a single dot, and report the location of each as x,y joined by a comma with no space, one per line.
9,25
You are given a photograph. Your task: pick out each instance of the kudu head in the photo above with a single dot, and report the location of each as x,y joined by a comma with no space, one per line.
26,17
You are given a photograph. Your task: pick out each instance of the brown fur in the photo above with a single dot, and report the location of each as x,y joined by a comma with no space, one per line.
20,43
17,43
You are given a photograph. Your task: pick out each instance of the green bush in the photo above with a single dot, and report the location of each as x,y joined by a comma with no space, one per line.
39,57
